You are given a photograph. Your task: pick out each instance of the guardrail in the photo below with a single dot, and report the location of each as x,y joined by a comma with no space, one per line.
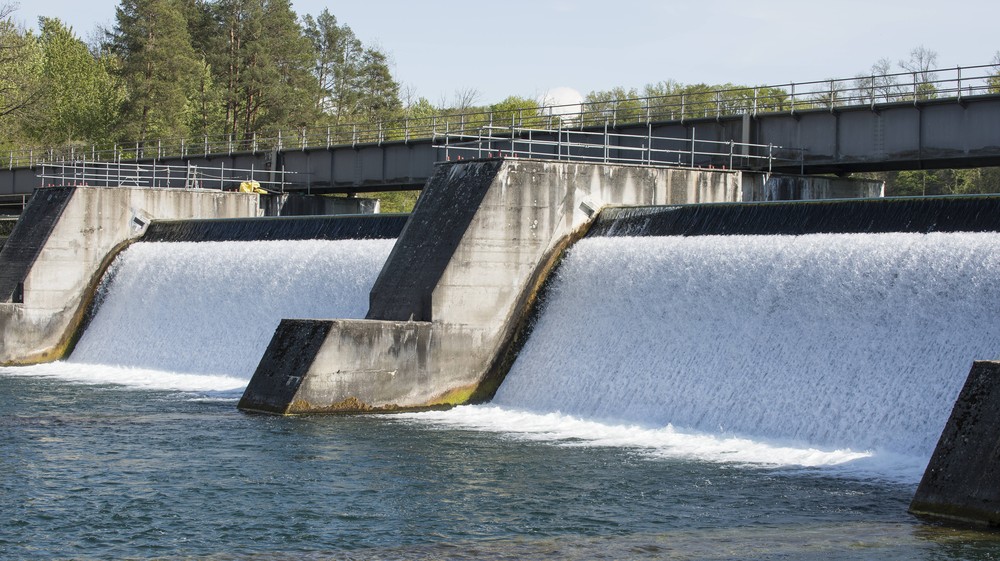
611,147
13,204
88,173
860,91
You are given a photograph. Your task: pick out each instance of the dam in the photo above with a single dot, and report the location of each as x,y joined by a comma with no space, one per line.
808,350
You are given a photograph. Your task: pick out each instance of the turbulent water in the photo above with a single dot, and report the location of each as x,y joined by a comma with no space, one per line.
210,308
835,341
679,398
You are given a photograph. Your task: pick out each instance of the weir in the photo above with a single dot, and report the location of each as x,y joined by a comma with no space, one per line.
66,238
58,250
210,308
447,310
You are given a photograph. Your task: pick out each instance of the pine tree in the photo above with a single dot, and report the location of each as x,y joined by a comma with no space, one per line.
338,54
158,67
267,71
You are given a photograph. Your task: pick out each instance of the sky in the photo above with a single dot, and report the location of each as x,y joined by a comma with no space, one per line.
526,48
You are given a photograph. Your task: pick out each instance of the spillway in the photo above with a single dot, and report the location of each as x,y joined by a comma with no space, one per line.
210,308
857,341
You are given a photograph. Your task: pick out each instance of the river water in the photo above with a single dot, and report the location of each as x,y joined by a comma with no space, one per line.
582,455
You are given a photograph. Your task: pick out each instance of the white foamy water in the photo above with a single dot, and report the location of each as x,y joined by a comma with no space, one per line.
669,442
775,347
198,316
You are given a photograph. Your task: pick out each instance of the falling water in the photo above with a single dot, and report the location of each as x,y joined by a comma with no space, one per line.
211,308
858,341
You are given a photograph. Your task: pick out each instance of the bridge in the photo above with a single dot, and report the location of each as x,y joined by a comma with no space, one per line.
947,118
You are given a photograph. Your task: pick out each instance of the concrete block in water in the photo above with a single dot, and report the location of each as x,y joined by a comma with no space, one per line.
449,304
340,366
962,480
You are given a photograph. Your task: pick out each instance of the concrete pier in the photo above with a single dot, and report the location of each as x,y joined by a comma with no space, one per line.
448,307
962,480
58,251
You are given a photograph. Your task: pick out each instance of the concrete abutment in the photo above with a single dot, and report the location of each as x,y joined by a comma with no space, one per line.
449,303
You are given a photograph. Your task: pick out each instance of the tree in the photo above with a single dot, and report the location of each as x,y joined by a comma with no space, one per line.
993,82
81,99
378,90
616,105
20,68
266,70
879,85
516,111
337,64
158,67
920,64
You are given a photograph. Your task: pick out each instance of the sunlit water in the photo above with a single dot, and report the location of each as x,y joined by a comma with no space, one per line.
108,462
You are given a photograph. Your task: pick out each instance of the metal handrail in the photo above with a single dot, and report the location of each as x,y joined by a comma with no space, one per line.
13,203
89,173
612,147
860,91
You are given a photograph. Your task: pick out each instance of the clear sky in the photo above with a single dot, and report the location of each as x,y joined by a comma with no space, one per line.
522,47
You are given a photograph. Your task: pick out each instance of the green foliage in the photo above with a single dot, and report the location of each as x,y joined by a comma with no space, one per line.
265,68
21,61
396,201
516,111
158,67
918,183
81,99
993,83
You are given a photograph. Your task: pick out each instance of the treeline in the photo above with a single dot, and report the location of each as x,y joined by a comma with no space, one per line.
238,69
176,68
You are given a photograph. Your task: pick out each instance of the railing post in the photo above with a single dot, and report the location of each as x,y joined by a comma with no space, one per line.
718,104
606,147
649,143
253,140
958,81
327,137
693,136
730,154
793,97
755,102
770,156
559,141
206,145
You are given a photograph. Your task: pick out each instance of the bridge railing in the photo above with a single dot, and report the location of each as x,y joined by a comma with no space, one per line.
13,204
89,173
692,103
608,146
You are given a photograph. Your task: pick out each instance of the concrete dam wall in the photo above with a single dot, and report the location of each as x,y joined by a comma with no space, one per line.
448,307
58,250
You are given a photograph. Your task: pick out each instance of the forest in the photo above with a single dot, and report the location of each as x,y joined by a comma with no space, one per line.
174,69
